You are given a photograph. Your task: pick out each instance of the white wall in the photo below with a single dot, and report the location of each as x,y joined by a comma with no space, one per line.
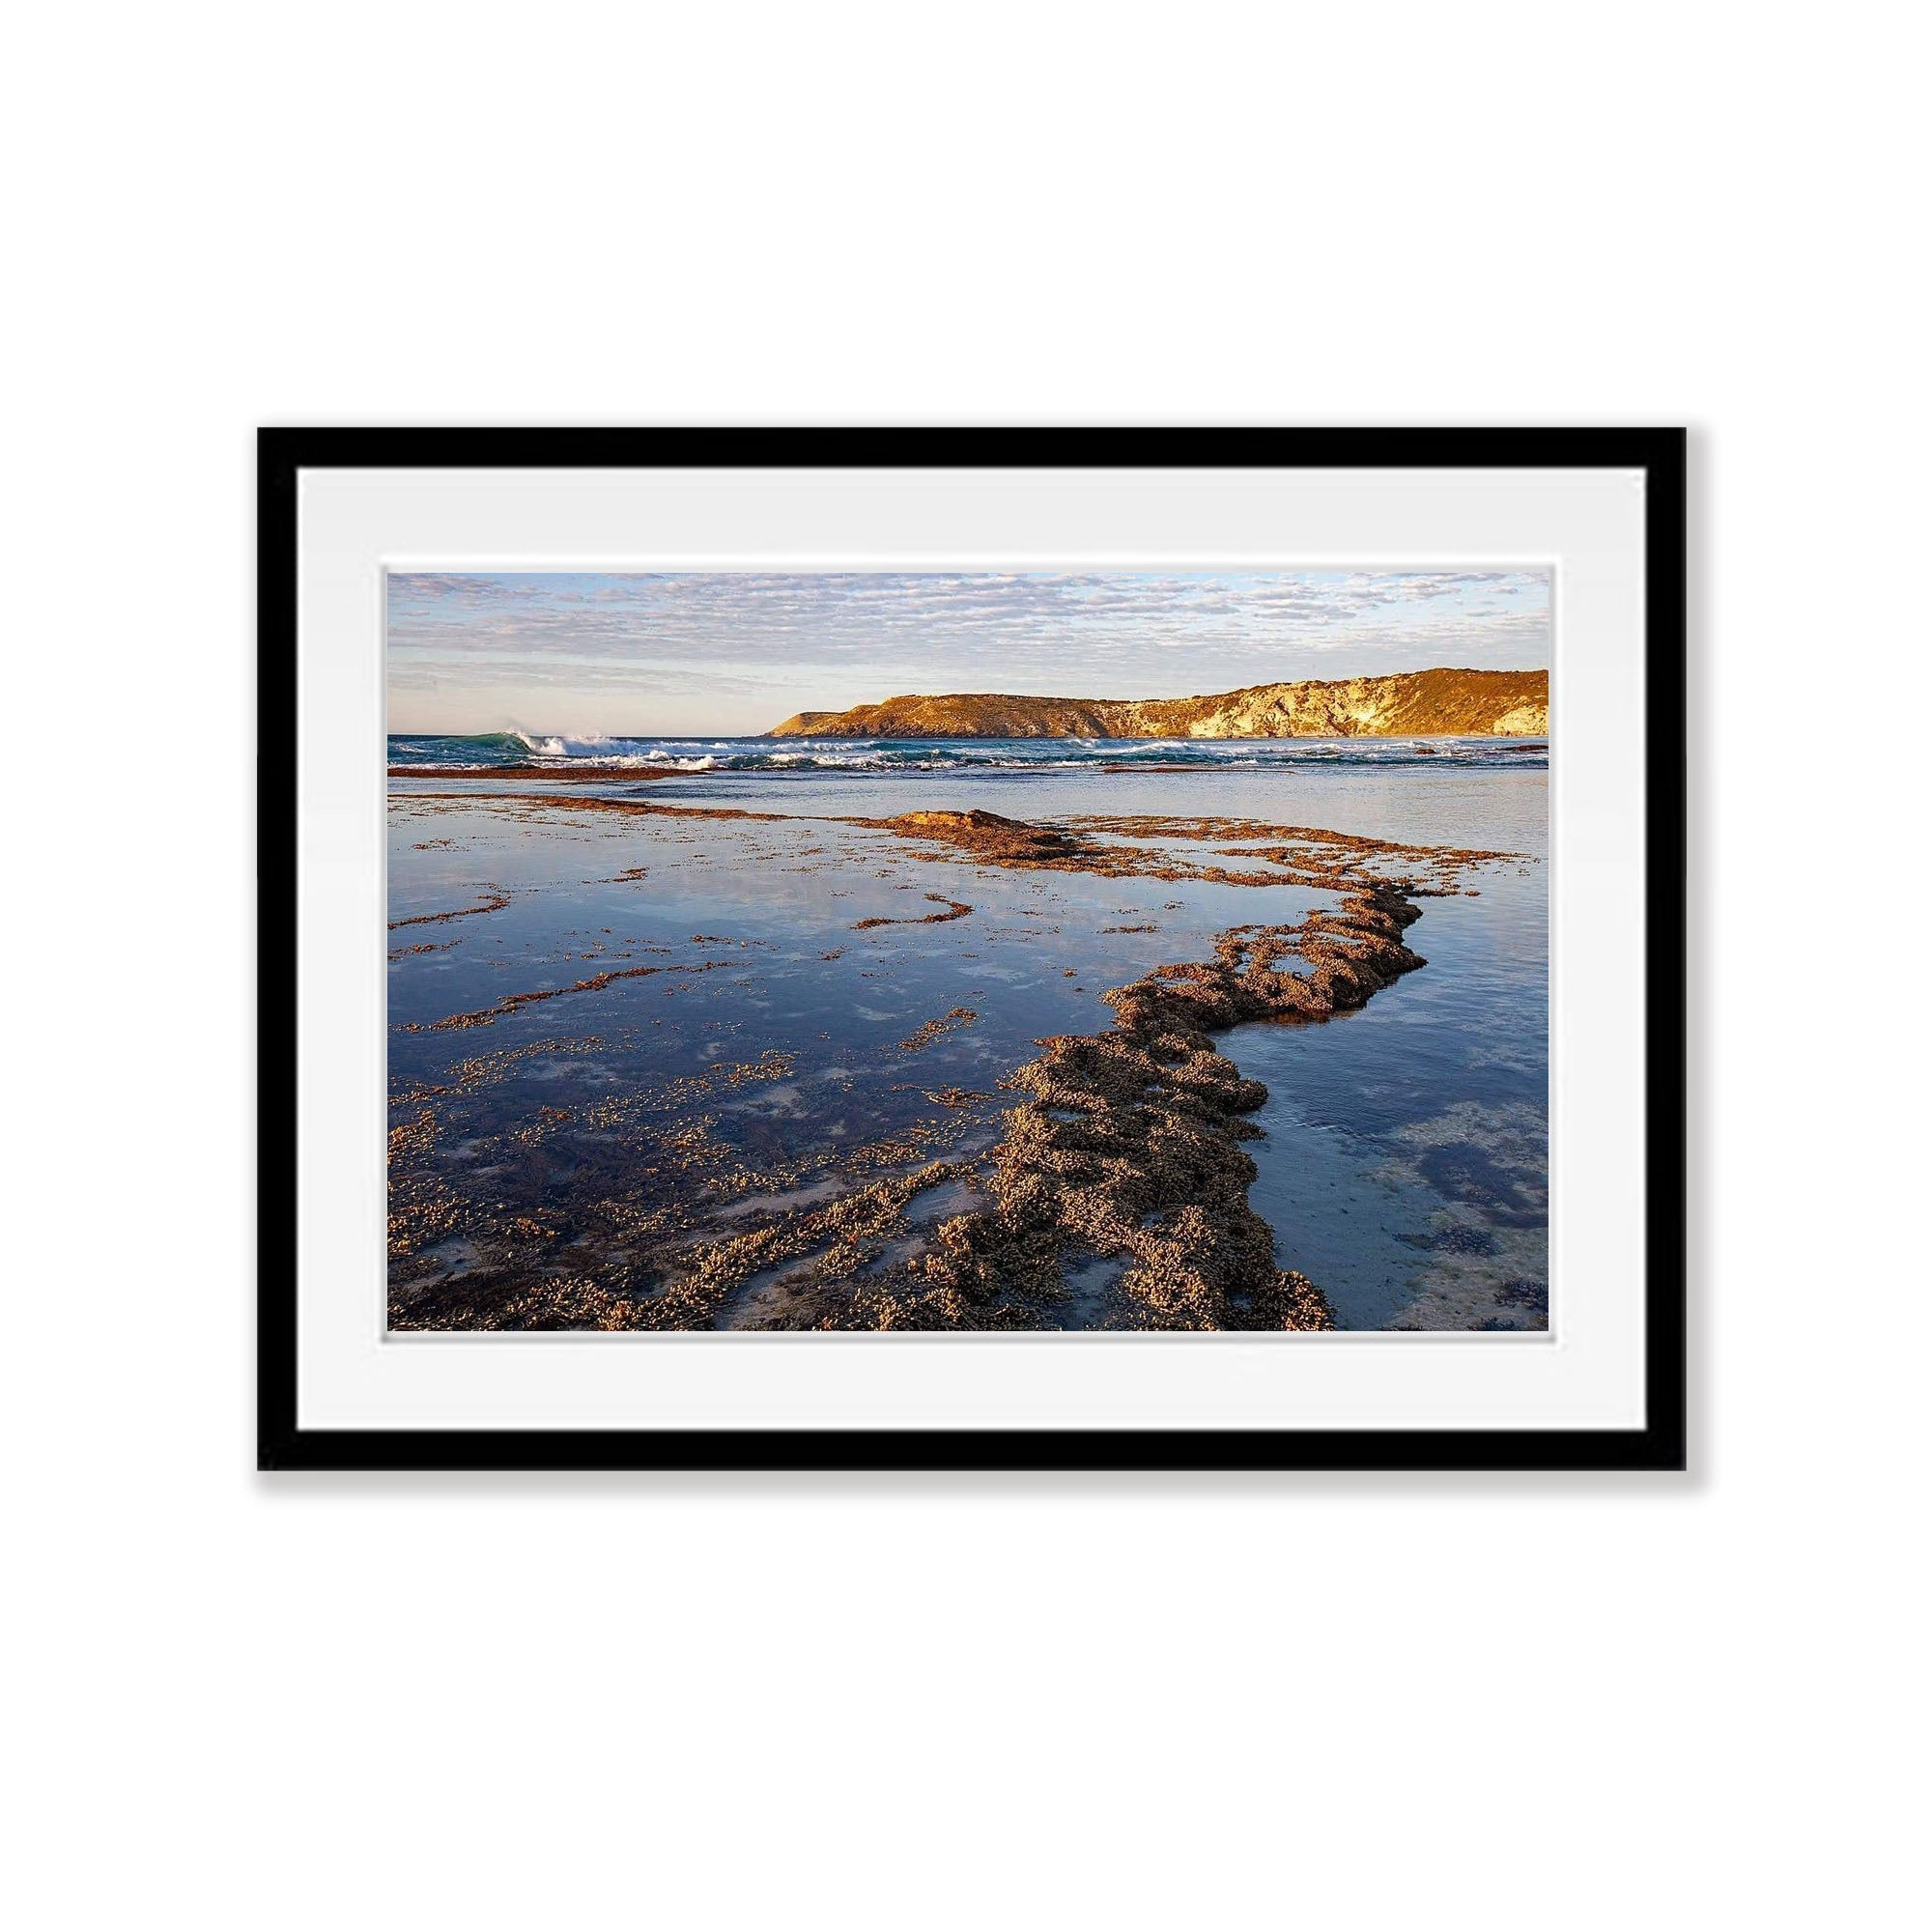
238,1702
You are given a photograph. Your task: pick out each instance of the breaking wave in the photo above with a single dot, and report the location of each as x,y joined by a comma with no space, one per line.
482,753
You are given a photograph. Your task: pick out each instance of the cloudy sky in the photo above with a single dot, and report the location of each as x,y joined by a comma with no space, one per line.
731,653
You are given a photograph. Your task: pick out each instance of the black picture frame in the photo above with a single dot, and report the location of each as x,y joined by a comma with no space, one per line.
1660,1444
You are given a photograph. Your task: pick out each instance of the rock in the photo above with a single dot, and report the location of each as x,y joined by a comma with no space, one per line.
1443,702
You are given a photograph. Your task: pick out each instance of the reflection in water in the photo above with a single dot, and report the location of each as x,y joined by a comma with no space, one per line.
617,1036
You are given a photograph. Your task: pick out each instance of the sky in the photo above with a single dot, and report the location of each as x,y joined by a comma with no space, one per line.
730,654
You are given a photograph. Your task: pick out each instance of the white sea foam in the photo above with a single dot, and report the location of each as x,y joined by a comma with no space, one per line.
620,753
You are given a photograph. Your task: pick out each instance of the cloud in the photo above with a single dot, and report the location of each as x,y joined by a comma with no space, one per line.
615,643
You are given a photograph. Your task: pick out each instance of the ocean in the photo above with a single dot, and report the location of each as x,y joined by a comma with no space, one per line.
674,1024
574,754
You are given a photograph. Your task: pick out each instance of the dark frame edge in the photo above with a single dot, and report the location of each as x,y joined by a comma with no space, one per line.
1662,1444
987,1452
1667,874
278,1442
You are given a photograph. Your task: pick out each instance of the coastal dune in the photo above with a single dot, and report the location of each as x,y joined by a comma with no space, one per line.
1414,704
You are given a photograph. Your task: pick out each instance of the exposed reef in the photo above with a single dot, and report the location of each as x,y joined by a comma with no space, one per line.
1115,1178
512,1002
954,909
1128,1148
493,899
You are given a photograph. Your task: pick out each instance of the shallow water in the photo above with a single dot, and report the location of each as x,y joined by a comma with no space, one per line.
641,1028
1405,1167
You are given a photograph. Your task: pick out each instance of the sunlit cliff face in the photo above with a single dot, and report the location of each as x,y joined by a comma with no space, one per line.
1429,703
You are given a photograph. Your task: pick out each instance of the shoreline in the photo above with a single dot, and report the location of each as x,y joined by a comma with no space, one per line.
575,770
1118,1174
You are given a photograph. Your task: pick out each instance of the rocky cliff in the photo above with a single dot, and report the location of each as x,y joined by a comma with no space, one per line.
1415,704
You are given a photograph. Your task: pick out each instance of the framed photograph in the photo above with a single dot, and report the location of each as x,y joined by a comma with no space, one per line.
1125,948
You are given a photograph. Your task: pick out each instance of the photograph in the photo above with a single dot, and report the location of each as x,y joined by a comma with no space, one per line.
943,952
890,918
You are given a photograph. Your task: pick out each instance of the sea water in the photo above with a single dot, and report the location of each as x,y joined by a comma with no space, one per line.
579,997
